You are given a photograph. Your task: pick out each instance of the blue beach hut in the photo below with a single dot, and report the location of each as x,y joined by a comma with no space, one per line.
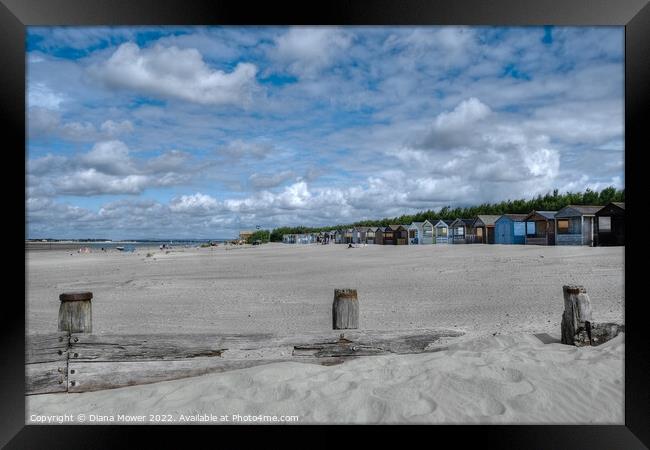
510,229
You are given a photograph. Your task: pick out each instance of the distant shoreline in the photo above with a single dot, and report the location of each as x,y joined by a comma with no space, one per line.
111,245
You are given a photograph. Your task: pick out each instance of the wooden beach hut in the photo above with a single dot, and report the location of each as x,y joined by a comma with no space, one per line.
414,230
574,225
441,231
510,229
420,233
483,228
400,234
610,225
379,235
370,235
539,227
359,235
461,231
305,238
395,235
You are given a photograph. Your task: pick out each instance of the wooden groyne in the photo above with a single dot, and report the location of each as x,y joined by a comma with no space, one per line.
79,362
75,360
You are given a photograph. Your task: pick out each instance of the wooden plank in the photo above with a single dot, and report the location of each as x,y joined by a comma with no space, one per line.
47,377
50,347
107,361
337,350
87,376
344,347
143,347
118,347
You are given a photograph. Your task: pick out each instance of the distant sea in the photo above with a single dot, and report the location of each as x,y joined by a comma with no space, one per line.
76,245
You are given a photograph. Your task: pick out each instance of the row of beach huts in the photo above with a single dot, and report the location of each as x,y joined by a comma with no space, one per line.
572,225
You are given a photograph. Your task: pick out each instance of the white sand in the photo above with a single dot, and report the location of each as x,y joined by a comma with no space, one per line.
502,379
499,295
284,288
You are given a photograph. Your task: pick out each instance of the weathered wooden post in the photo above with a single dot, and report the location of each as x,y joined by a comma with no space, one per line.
75,312
576,320
345,310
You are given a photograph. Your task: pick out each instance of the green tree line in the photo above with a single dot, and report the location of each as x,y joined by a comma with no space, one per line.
550,202
260,235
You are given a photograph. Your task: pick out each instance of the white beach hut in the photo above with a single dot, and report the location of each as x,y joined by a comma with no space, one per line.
441,232
420,233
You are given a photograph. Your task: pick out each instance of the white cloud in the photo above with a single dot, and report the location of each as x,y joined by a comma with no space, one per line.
109,157
457,128
39,95
239,149
171,72
196,203
171,161
381,122
42,120
305,51
112,128
265,181
88,182
109,168
47,122
466,113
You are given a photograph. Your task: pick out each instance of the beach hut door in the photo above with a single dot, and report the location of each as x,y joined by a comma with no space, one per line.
587,231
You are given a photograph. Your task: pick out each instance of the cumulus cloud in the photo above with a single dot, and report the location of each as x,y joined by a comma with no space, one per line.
196,203
113,128
374,122
239,149
49,123
40,95
109,168
265,181
305,51
110,157
457,128
172,72
473,142
88,182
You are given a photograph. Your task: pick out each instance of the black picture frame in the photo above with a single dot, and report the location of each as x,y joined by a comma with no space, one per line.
634,15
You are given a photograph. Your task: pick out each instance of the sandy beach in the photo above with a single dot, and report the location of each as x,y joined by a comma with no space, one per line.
500,296
493,380
287,288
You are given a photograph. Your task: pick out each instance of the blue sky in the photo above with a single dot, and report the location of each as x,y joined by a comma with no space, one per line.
198,132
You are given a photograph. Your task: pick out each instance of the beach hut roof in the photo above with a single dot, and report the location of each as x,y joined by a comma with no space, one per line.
464,222
514,217
487,219
612,207
395,227
548,215
545,214
578,210
416,224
